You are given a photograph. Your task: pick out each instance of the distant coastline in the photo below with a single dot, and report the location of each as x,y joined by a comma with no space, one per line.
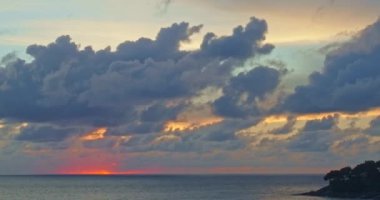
362,181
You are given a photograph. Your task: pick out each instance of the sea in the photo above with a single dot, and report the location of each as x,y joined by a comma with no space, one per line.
162,187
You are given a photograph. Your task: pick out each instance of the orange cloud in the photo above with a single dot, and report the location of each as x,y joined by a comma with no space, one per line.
95,135
314,116
188,125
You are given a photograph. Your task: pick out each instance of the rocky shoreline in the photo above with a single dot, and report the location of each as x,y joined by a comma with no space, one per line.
360,182
326,192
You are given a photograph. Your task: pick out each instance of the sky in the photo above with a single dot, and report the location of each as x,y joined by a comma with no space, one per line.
188,87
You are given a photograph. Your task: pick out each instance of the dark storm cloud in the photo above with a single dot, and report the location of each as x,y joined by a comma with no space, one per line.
133,89
136,127
164,47
312,141
316,136
45,133
159,113
243,43
374,128
239,95
224,131
320,124
8,58
221,136
349,81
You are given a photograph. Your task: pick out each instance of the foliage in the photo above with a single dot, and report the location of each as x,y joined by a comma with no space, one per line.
364,178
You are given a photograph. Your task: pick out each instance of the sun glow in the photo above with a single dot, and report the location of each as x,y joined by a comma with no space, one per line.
96,172
106,172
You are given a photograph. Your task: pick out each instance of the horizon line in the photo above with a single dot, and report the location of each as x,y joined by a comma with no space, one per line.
175,174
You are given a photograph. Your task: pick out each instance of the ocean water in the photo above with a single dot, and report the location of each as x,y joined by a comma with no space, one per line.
221,187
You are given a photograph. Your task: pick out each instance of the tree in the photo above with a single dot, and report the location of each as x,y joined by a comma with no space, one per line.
365,177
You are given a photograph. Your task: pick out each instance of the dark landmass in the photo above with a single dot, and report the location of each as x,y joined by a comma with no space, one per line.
361,182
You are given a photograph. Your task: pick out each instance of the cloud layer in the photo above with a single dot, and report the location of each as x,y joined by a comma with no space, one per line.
150,102
349,80
136,88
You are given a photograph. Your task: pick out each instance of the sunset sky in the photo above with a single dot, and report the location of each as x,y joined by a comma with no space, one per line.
188,86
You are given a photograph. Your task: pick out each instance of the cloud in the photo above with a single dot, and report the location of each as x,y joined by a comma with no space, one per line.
325,123
357,146
132,90
243,43
164,47
374,127
317,141
316,136
240,94
349,80
45,133
159,113
9,58
288,127
221,136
